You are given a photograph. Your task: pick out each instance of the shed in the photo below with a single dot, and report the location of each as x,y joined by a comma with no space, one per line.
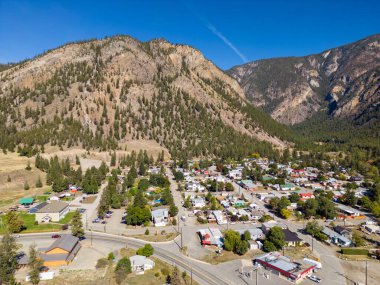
26,201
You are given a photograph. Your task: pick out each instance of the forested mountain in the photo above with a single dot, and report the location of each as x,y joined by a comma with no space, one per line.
332,97
342,82
99,94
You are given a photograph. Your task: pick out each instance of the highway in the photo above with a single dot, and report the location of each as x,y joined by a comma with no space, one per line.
199,270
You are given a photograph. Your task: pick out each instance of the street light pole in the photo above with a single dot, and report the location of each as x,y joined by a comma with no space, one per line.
191,275
181,239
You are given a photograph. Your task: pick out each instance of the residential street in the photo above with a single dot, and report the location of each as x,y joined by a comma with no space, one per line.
332,268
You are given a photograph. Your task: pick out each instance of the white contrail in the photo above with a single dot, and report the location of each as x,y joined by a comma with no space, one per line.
227,42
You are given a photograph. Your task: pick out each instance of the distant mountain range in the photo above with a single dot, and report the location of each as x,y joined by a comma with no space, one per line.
100,94
103,93
341,83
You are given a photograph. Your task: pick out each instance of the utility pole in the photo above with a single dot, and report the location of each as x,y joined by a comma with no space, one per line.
91,236
257,276
191,275
312,243
366,272
178,223
181,239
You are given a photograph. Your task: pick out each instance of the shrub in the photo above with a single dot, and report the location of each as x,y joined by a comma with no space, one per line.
102,263
147,232
123,268
165,271
147,250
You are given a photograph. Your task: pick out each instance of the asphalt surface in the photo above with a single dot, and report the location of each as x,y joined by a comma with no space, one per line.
199,270
332,270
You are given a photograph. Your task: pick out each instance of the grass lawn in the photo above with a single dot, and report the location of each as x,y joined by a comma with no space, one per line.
67,218
30,227
42,198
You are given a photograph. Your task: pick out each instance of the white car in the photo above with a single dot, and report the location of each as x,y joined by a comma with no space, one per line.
315,278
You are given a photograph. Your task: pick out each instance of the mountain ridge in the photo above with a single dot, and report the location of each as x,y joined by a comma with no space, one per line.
293,89
103,92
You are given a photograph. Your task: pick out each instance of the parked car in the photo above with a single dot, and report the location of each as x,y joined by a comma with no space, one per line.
315,278
104,222
82,210
97,220
55,236
109,212
44,269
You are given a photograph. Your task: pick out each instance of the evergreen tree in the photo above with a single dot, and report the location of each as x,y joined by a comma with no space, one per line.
35,264
77,225
77,161
9,179
26,185
28,167
123,268
39,182
13,222
8,259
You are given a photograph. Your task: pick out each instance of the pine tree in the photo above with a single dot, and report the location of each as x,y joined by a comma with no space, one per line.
26,185
35,264
13,222
113,159
39,182
8,259
28,167
77,225
9,179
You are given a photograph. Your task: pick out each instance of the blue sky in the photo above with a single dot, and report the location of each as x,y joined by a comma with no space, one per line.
227,32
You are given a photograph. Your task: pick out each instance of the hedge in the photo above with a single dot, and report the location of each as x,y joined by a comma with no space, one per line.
355,251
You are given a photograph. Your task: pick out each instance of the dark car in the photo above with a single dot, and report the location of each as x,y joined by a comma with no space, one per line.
44,269
104,222
55,236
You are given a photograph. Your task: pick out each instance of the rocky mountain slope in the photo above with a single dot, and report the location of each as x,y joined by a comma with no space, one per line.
342,82
103,93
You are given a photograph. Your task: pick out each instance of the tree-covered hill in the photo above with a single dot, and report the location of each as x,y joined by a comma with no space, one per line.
101,93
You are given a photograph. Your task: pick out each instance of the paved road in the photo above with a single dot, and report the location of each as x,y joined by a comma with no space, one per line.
91,209
332,268
200,271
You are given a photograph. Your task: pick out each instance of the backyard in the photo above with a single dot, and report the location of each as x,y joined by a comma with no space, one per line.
31,227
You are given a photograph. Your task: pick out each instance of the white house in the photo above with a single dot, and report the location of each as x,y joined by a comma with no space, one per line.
235,174
195,186
160,217
52,211
198,202
220,219
141,263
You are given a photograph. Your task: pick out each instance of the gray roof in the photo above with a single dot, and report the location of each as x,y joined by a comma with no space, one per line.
139,260
66,242
291,236
53,207
252,231
163,212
